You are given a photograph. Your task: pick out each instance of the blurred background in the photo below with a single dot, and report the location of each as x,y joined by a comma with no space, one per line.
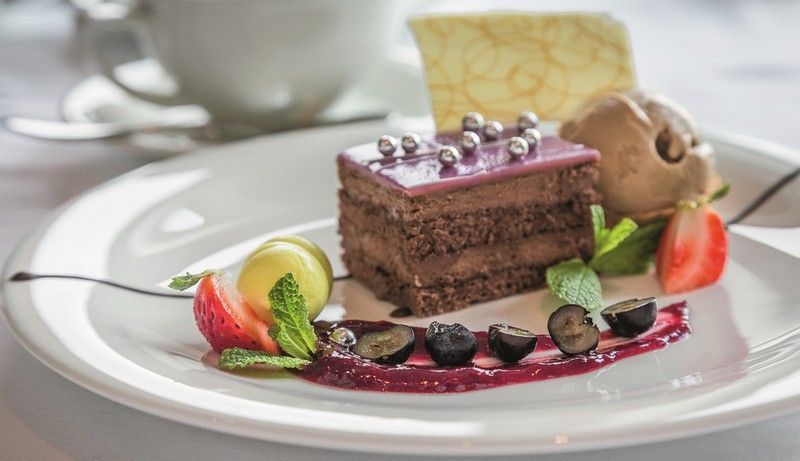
735,64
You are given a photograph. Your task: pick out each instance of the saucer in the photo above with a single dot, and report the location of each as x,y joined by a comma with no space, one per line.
397,84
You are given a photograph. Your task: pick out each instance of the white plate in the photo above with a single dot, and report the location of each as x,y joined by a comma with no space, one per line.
210,209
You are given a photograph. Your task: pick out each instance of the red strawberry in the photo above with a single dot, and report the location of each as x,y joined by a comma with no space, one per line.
226,319
693,249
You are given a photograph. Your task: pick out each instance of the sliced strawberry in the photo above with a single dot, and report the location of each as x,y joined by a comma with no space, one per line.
226,320
693,249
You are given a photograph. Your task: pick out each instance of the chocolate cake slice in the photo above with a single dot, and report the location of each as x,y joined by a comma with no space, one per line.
437,237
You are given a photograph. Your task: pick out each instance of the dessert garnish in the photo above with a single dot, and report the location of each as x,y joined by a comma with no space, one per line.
496,63
473,122
652,153
469,142
392,346
575,281
690,250
383,356
233,329
278,256
474,132
448,156
511,344
527,120
517,147
343,337
493,130
450,345
341,368
532,136
223,316
694,247
233,358
410,142
292,329
572,330
387,145
632,317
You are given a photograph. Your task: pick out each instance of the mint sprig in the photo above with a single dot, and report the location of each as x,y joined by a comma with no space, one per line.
243,358
292,330
608,239
576,283
634,254
625,248
187,280
720,193
598,223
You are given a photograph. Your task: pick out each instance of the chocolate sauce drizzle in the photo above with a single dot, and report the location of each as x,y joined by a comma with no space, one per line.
26,276
763,197
401,312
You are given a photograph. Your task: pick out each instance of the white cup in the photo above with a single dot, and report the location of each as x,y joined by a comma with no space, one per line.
270,63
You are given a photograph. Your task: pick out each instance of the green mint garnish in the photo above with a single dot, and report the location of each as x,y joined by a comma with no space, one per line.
634,254
624,249
720,193
576,283
186,281
292,330
598,223
243,358
608,239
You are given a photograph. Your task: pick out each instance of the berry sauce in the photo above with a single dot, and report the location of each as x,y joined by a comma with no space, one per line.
338,367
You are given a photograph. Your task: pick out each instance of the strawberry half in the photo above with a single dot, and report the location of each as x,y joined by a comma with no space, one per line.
226,320
693,249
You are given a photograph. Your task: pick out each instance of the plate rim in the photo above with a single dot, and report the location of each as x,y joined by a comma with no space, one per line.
68,366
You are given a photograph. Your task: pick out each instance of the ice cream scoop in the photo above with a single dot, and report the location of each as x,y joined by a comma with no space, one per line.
652,153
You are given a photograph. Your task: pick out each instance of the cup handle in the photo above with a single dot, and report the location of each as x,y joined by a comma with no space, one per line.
118,16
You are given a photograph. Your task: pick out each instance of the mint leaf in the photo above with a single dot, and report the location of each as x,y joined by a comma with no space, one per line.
613,237
243,358
290,344
720,193
576,283
605,239
634,254
598,223
292,330
601,234
186,281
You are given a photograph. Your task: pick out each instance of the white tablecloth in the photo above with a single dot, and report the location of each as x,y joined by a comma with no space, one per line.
735,64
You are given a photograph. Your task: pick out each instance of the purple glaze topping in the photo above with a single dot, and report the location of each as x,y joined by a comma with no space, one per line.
421,173
339,367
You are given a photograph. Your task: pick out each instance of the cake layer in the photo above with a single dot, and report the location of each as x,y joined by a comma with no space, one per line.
447,233
437,299
542,249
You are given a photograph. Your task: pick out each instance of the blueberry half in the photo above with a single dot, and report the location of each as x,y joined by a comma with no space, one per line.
632,317
450,345
510,344
572,330
390,347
